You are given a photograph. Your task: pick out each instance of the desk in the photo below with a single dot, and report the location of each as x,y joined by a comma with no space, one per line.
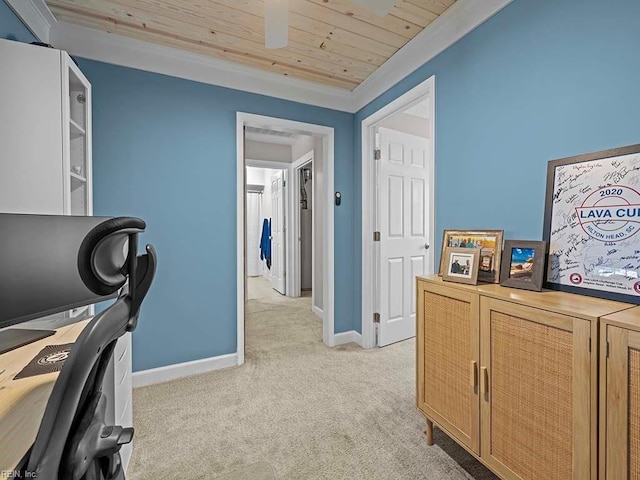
23,401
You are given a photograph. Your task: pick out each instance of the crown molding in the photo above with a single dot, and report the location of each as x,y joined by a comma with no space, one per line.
35,15
456,22
460,19
129,52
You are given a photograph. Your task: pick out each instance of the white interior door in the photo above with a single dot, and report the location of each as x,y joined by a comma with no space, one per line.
277,233
402,181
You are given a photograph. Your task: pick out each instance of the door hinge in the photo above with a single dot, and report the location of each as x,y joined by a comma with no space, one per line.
284,183
607,349
377,154
376,236
376,318
589,344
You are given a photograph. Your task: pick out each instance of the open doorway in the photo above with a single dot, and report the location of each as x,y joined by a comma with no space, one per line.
265,220
306,274
397,213
285,231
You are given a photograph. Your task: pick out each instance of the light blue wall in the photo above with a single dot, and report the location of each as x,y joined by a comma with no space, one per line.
164,149
542,79
11,27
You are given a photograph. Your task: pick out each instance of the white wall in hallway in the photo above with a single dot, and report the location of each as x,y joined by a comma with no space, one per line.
254,231
255,176
267,151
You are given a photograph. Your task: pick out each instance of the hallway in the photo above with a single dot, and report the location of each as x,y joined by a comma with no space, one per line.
274,321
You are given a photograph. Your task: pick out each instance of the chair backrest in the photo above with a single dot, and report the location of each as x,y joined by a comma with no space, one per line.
77,393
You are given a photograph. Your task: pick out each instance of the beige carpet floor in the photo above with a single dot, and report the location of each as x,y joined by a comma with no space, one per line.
295,410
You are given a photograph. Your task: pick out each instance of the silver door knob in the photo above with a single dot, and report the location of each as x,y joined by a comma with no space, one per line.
426,246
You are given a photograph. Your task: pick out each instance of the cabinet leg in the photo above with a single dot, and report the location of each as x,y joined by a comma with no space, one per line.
429,432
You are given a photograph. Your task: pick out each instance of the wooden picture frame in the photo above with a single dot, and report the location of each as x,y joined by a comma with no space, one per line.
461,265
488,241
523,263
591,222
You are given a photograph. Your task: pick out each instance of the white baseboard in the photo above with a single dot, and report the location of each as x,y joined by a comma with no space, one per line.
318,312
180,370
347,337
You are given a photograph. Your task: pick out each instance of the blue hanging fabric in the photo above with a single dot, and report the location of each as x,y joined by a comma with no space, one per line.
265,242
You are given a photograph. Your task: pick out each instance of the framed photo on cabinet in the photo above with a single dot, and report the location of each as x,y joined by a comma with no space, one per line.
523,264
461,265
489,243
591,221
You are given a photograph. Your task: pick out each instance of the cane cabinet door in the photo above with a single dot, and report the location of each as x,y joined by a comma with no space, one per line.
622,404
535,398
448,349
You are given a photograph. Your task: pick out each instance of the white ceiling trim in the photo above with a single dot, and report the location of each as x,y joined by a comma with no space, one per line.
460,19
35,15
119,50
457,21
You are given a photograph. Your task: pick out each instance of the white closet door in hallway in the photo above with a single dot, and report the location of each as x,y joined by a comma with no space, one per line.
277,233
254,232
403,212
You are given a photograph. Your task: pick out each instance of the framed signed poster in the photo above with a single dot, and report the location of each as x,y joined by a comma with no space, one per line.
591,221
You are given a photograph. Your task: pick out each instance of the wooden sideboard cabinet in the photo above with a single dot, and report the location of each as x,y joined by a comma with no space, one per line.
448,334
620,395
512,376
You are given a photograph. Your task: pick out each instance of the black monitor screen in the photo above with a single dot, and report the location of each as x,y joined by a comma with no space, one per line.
39,265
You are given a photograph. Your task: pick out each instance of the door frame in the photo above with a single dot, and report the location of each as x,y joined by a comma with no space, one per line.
248,119
369,124
294,284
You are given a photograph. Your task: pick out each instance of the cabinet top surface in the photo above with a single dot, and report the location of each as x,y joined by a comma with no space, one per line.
436,279
589,308
629,318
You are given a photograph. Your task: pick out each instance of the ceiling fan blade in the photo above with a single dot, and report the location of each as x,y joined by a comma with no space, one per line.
379,7
276,23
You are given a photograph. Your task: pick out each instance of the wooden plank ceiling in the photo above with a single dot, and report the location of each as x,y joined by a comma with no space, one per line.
331,42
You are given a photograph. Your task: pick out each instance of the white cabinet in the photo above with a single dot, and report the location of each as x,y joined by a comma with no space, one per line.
45,113
45,134
45,166
76,145
118,388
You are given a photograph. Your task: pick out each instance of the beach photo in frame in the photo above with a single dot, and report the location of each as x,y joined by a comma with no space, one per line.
591,222
489,242
461,265
523,264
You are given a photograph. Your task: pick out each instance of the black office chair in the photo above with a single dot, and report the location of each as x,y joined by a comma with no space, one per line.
74,442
